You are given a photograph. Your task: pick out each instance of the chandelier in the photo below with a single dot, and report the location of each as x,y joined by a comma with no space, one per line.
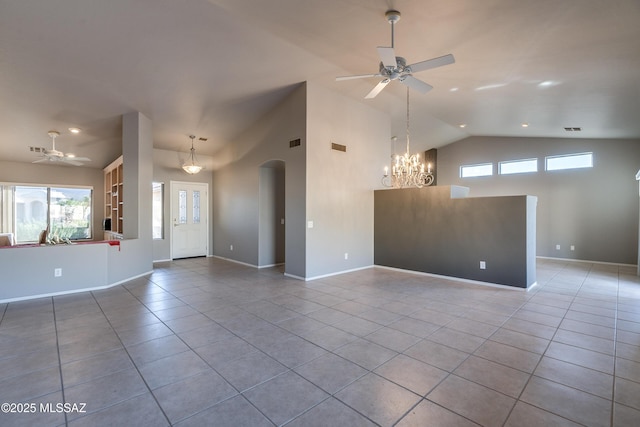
190,166
407,170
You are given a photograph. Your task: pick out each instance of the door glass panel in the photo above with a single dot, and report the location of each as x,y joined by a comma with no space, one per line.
182,206
196,207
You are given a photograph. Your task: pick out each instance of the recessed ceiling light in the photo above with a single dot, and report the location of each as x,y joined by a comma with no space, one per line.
548,83
525,125
462,125
453,89
74,130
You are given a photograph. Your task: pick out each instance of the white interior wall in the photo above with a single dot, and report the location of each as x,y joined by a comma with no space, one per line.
340,184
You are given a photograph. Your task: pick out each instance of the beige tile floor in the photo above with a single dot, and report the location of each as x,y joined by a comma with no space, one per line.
205,342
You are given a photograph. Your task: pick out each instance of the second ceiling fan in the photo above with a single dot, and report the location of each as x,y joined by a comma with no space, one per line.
394,67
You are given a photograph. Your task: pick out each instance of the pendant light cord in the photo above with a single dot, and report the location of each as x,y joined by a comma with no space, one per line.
407,120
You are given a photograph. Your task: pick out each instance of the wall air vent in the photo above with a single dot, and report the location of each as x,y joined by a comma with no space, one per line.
37,149
338,147
573,129
294,143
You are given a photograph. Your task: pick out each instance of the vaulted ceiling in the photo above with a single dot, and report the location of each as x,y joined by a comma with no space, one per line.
211,68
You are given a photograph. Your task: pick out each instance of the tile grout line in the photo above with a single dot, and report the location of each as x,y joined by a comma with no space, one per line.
547,348
132,361
55,325
239,392
615,351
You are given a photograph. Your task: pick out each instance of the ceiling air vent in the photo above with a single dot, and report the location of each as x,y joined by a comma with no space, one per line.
294,143
573,129
37,149
202,139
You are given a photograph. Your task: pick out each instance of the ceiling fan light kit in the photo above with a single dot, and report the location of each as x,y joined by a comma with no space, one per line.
394,67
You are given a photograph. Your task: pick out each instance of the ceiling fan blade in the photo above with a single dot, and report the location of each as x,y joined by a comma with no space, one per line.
432,63
79,159
71,161
376,90
42,160
416,84
387,56
361,76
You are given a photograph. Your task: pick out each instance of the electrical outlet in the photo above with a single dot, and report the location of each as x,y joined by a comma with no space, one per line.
346,255
57,272
282,221
557,247
230,247
573,248
309,224
483,265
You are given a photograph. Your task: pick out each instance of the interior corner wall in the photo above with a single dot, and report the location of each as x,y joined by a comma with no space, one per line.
593,209
236,185
340,184
135,256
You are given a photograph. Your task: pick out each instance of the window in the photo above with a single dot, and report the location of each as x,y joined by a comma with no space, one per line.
518,166
470,171
26,210
157,210
569,161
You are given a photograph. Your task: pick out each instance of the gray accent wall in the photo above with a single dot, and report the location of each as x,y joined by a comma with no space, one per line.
595,210
426,230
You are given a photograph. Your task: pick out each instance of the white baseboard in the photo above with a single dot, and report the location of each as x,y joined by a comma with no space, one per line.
74,291
236,261
322,276
586,261
458,279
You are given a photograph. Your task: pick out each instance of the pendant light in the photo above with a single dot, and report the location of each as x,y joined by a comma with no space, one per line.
191,166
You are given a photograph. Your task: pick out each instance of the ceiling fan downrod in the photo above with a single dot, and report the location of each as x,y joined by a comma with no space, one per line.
392,16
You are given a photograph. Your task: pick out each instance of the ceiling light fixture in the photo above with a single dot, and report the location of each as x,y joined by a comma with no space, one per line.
462,125
407,170
525,125
190,166
74,130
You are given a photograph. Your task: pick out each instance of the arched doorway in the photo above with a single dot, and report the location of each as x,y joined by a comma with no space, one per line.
271,239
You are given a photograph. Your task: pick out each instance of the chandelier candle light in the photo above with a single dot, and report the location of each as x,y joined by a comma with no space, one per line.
407,170
190,166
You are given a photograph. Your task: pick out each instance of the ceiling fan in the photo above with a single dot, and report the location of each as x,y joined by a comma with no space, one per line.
56,156
394,67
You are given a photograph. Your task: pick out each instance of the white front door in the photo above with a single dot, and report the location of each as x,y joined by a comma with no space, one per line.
189,214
